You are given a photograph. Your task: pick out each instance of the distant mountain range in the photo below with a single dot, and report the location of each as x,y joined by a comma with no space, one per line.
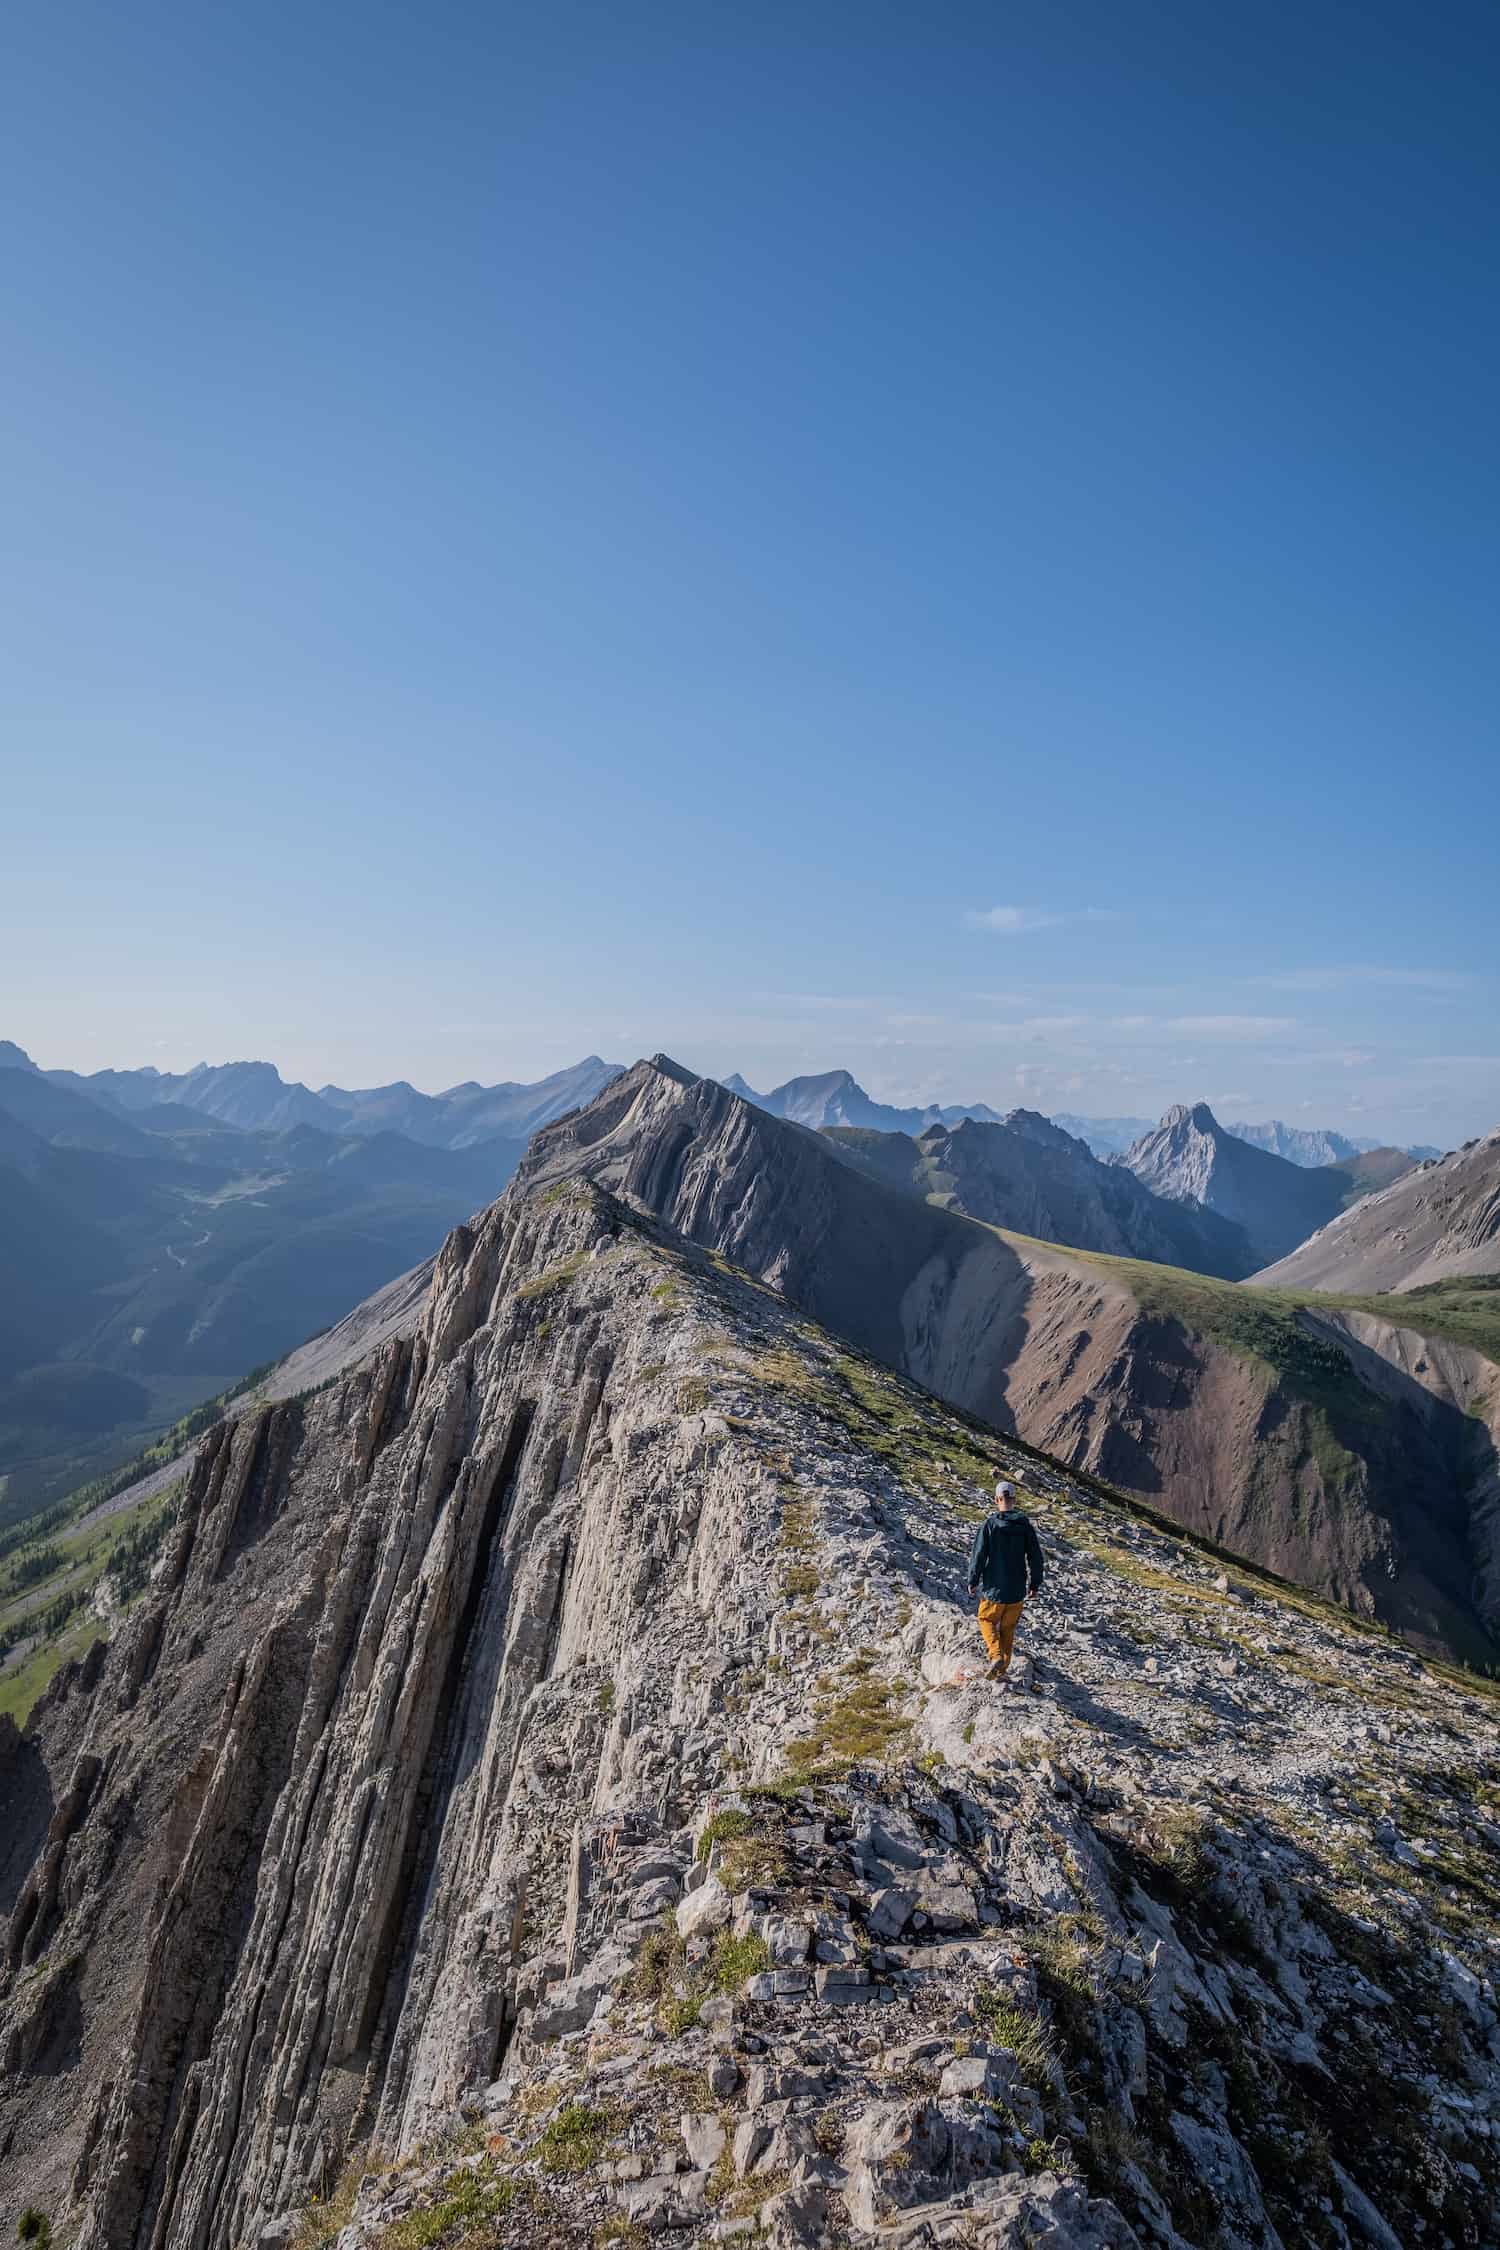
1304,1145
1026,1174
161,1234
255,1097
835,1098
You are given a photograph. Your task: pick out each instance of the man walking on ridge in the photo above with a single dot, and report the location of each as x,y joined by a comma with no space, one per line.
1005,1564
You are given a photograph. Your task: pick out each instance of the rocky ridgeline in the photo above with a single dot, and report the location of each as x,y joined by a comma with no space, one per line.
550,1796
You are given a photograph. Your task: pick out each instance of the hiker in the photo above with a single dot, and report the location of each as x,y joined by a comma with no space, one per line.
1005,1565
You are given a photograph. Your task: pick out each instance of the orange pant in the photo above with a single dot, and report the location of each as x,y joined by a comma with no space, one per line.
998,1622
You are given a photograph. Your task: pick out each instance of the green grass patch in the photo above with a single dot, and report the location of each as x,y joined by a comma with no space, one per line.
555,1278
855,1727
469,2205
722,1827
20,1688
574,2138
1263,1324
1015,2028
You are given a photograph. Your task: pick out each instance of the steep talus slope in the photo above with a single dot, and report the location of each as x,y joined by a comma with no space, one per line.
1190,1157
1454,1392
549,1794
1026,1174
1435,1224
1226,1411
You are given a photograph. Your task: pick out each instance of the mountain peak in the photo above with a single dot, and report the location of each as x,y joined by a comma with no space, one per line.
13,1057
667,1068
1197,1114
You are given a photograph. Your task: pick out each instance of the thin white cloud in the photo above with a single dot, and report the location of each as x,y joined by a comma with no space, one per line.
818,1000
1224,1027
1341,977
1343,1058
1020,921
1232,1027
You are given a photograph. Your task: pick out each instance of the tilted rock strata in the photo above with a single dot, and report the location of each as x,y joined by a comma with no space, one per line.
404,1803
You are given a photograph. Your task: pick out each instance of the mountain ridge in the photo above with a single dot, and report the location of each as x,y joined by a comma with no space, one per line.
1235,1413
418,1853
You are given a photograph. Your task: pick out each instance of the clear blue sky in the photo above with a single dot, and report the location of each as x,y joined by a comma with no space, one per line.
537,529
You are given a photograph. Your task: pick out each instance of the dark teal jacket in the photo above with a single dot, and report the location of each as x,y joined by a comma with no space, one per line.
1006,1554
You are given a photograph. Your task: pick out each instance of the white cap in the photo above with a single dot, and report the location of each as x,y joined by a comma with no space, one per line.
1005,1490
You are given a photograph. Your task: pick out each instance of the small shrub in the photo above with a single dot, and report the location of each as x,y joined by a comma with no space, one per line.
721,1827
326,2216
469,2200
680,2012
34,2226
660,1961
734,1960
573,2138
1012,2027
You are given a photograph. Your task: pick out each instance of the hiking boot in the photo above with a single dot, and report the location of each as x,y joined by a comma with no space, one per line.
997,1669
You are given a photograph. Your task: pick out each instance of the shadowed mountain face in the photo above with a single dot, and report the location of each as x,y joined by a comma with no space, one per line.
1028,1175
1434,1224
1190,1158
1363,1465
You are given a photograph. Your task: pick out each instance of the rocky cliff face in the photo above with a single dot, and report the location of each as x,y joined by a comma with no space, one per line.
548,1793
1438,1223
1255,1428
1026,1174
